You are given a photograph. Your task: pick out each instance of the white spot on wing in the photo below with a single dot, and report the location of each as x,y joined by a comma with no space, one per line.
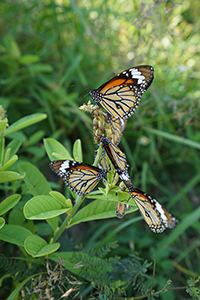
161,211
124,176
137,75
64,166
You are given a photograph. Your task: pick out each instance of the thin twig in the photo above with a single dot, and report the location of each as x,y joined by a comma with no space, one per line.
154,272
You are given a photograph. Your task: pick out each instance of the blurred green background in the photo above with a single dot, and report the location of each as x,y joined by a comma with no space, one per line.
53,52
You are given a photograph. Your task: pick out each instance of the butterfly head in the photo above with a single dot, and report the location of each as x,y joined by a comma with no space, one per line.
96,95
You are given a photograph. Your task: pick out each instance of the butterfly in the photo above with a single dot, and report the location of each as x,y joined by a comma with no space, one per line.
120,96
155,214
121,208
117,127
81,178
118,159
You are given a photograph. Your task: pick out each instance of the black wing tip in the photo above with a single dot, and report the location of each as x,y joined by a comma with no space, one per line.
145,66
119,216
173,223
51,165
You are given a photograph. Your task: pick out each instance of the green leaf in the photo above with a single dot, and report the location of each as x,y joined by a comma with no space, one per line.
36,246
25,122
63,201
9,163
34,179
2,222
44,207
9,203
4,277
59,197
11,45
115,194
96,210
52,146
18,135
7,155
29,59
174,138
2,125
14,234
4,101
40,68
72,68
77,151
57,156
36,137
16,217
10,176
53,222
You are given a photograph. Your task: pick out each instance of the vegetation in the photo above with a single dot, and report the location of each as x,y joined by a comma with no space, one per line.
51,54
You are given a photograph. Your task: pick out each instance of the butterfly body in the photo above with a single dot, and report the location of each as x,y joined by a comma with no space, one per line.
121,95
81,178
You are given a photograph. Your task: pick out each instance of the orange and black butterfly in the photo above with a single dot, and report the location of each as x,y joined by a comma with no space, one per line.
155,214
117,158
120,96
121,208
79,177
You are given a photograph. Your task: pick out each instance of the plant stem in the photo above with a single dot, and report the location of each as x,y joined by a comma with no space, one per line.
97,158
68,219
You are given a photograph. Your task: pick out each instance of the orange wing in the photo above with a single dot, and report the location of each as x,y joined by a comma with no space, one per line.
79,177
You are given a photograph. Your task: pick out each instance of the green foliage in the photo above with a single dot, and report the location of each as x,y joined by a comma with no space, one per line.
16,268
48,52
111,276
194,290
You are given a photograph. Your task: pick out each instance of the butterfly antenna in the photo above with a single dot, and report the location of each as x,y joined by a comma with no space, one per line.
83,86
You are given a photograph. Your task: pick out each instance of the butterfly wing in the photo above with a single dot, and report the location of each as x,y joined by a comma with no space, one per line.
121,95
155,215
121,208
117,157
79,177
103,163
117,126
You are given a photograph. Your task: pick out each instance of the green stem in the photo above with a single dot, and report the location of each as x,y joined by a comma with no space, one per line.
67,221
2,148
98,156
